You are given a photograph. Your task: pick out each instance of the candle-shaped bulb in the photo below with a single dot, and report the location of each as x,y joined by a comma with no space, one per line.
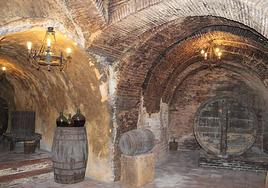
202,52
206,56
217,50
48,43
68,51
219,55
4,68
29,45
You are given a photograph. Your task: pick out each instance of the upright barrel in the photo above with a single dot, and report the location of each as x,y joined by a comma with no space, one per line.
136,142
69,154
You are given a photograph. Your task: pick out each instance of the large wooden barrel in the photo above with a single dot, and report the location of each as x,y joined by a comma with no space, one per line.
225,127
136,142
69,154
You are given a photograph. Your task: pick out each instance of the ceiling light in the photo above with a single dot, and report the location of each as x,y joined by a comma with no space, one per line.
46,55
212,53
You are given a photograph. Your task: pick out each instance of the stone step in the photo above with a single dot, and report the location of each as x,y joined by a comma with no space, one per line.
13,170
16,164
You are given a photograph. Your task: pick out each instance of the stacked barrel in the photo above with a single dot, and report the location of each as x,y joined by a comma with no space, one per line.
70,149
136,142
137,160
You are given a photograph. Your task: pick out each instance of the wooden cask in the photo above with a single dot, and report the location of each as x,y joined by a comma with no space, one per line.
136,142
69,154
29,146
225,127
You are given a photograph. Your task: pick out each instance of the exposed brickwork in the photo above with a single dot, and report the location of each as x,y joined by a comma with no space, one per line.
243,11
200,87
140,36
159,75
131,18
163,75
90,15
240,164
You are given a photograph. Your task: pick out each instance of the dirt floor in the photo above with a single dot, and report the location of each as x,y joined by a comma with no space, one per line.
179,171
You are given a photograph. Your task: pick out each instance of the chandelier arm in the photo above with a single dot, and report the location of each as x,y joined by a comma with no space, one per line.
45,57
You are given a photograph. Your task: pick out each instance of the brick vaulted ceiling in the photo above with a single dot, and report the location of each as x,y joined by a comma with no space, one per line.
149,42
155,45
140,32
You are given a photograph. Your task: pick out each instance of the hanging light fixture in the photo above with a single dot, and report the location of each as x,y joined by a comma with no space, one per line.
212,53
3,72
46,55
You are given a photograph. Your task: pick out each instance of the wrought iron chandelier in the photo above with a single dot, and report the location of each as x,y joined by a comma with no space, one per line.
46,55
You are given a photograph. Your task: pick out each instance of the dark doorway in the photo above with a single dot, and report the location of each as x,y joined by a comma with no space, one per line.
3,116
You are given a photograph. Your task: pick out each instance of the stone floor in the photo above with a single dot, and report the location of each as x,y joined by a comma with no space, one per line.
180,171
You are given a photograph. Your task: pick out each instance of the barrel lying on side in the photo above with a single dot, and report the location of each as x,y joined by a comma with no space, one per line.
69,154
136,142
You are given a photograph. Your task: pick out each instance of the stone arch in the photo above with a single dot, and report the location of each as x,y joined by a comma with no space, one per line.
48,93
243,11
142,61
129,20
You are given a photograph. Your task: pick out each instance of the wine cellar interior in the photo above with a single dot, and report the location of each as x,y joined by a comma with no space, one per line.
134,93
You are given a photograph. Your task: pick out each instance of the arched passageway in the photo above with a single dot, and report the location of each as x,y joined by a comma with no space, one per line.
4,111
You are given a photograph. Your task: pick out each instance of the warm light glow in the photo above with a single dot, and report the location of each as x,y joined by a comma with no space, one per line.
217,50
219,55
68,51
4,68
206,56
48,43
46,55
202,52
29,45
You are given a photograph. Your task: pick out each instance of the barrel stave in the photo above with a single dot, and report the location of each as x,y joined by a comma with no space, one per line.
70,151
136,142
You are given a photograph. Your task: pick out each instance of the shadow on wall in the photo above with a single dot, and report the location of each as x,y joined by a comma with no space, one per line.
48,93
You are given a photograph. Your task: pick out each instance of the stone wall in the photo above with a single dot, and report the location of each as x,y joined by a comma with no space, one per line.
48,93
158,124
141,44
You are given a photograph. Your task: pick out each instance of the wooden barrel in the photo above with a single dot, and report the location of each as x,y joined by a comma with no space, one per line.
136,142
69,154
225,127
29,146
